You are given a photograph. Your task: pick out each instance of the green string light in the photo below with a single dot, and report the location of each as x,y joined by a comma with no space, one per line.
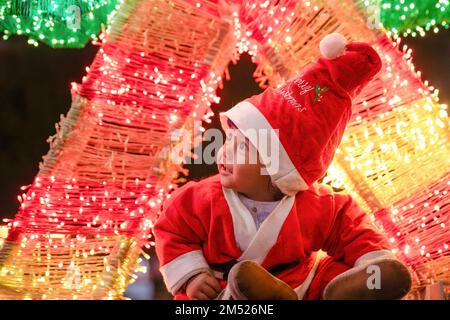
58,23
412,17
73,23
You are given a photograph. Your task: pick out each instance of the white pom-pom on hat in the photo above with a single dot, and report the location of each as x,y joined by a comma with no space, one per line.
333,45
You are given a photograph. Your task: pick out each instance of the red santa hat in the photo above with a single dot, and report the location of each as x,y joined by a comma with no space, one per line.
307,116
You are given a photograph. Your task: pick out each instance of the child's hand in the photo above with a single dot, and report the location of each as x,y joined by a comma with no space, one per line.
203,286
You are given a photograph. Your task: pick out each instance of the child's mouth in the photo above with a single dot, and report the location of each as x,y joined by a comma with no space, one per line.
224,169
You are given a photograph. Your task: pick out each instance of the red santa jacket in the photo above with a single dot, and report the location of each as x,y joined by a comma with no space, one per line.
204,225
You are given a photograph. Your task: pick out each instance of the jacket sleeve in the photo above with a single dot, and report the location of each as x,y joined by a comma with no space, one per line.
178,238
353,237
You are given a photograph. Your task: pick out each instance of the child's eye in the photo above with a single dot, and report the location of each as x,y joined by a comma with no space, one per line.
242,146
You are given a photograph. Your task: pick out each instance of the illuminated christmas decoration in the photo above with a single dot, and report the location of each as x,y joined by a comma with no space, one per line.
58,23
84,220
397,120
414,17
72,23
419,229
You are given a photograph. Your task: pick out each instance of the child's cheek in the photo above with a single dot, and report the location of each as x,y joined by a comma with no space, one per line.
238,176
219,155
244,174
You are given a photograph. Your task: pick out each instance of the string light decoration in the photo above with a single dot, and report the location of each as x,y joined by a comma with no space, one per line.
397,119
396,155
84,219
397,143
58,23
413,17
72,23
407,17
419,229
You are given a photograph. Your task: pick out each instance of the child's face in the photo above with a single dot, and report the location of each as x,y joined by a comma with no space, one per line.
239,165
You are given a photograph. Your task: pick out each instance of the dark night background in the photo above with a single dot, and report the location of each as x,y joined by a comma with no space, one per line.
35,90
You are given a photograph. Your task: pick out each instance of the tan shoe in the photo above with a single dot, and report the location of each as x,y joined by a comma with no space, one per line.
247,280
395,283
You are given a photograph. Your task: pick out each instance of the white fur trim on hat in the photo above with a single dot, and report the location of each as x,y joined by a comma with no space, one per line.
332,45
278,164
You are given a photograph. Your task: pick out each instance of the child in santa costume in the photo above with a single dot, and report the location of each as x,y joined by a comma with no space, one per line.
253,231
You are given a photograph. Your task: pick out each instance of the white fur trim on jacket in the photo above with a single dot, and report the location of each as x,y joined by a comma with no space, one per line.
250,121
360,264
179,270
256,244
301,289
